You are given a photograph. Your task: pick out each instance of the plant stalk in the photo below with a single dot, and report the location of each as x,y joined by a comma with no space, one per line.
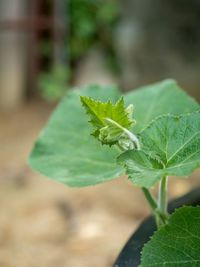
160,213
150,199
159,209
162,198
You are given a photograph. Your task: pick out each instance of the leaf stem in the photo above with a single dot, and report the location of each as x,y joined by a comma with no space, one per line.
159,209
162,198
154,207
150,199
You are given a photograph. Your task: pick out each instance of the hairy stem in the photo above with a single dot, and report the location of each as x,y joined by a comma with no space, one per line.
154,207
162,199
159,209
150,199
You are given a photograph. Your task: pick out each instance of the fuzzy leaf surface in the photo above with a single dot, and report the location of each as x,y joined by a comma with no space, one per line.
66,152
173,142
177,243
103,114
164,97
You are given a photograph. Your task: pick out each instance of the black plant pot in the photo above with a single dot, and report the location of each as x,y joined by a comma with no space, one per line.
131,253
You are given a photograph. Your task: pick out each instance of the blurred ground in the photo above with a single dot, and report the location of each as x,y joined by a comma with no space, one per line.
46,224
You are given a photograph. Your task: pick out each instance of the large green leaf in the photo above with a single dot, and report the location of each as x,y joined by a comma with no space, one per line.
165,97
176,244
65,150
172,142
67,153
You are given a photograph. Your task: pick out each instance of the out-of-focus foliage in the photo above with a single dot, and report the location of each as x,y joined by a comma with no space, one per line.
54,84
89,23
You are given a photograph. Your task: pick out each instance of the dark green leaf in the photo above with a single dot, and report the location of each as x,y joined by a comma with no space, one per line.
176,244
172,141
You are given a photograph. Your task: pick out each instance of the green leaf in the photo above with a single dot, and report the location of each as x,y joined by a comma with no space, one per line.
141,169
66,152
177,243
164,97
107,119
172,141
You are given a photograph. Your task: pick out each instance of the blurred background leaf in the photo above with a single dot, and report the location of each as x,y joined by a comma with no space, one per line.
55,83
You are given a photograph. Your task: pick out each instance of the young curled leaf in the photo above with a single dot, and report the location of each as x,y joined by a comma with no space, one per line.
110,121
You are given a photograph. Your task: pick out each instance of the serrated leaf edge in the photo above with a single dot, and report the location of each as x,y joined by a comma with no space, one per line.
169,116
160,229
